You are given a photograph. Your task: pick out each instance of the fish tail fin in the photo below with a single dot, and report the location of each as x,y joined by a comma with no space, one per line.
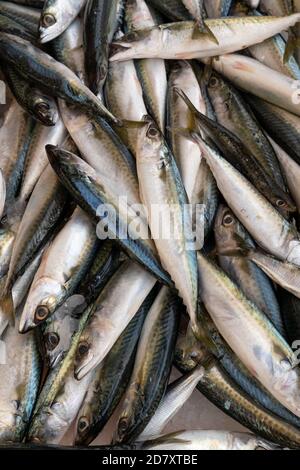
201,29
7,306
184,132
134,124
266,445
187,101
201,334
292,44
172,438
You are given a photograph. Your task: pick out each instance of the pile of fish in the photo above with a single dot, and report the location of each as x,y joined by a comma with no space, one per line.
111,109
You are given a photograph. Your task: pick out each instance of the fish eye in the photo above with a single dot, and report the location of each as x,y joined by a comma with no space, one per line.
152,132
41,313
42,107
228,220
123,425
132,36
52,340
82,349
83,424
280,203
48,20
213,82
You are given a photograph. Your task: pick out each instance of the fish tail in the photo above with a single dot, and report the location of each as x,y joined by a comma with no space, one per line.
266,445
184,132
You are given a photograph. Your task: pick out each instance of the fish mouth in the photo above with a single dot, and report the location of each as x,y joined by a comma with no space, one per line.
85,367
48,34
26,325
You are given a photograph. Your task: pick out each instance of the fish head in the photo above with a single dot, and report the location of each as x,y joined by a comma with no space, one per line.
60,328
53,19
45,426
135,43
50,23
86,358
83,426
42,301
46,110
227,230
220,94
134,401
150,143
90,416
189,351
282,201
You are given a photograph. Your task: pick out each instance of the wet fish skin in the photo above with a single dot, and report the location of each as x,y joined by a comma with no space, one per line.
111,378
116,165
189,351
272,360
23,283
218,8
58,329
151,73
107,260
41,107
36,157
271,53
7,237
25,16
31,3
177,393
233,112
132,283
157,169
282,126
15,134
20,377
56,16
186,152
256,78
68,49
174,10
2,193
100,22
278,8
152,367
44,209
291,171
61,396
223,392
208,440
91,191
251,280
239,374
58,274
44,71
9,25
237,154
128,106
247,204
175,40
